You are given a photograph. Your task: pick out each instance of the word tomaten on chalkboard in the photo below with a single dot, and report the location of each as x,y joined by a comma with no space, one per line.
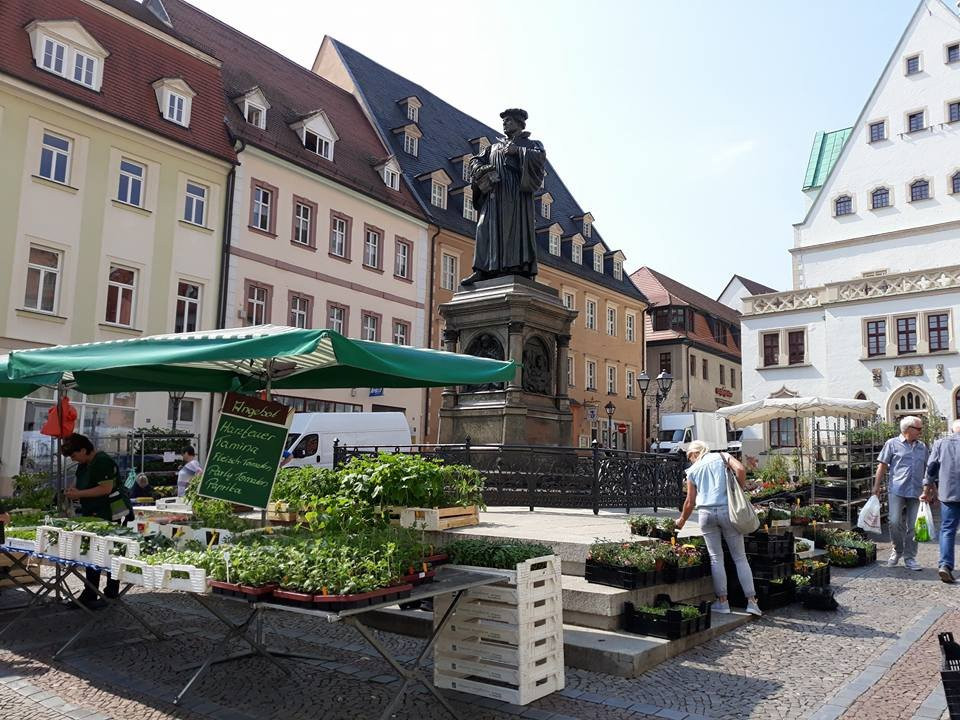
245,455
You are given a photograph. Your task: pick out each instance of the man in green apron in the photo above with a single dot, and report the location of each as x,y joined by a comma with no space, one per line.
100,495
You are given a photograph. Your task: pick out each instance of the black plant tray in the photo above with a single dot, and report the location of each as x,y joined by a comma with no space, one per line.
819,577
839,492
674,574
770,596
622,577
671,626
766,570
769,545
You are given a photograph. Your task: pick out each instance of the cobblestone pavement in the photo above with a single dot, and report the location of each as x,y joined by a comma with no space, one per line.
877,657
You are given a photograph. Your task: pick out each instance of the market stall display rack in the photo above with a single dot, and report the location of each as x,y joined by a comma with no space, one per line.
505,640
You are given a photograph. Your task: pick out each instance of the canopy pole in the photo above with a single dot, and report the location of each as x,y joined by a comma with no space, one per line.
61,496
267,395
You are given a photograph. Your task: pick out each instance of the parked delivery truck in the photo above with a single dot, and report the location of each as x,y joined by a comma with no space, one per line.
311,437
678,430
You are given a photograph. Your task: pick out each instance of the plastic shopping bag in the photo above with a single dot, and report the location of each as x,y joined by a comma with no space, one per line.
869,518
924,530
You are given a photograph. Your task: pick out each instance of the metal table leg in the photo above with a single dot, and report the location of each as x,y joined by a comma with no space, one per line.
411,674
36,596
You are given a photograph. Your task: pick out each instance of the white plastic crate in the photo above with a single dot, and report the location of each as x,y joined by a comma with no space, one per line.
173,504
210,537
530,650
195,582
54,541
18,544
519,614
94,547
133,572
109,549
523,693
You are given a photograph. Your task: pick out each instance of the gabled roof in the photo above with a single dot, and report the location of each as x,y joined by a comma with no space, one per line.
663,290
447,133
753,287
823,156
294,92
137,59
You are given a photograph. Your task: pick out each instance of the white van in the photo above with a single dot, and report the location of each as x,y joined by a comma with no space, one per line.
678,430
311,437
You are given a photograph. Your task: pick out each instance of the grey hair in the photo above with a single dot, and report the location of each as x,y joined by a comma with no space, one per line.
955,426
698,448
908,421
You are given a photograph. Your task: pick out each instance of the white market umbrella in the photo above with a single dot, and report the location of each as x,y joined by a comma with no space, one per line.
761,411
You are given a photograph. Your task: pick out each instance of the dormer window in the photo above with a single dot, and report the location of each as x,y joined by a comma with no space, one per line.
576,253
469,212
391,178
554,243
317,134
466,167
617,270
545,202
65,48
254,107
174,97
413,106
255,115
438,194
598,259
411,144
316,144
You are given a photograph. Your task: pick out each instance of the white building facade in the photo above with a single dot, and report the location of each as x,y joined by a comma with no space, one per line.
876,261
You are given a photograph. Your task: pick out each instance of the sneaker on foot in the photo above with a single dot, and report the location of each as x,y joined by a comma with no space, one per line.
912,564
946,575
893,560
753,608
721,607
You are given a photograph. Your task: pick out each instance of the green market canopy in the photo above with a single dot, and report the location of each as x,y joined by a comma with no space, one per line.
242,359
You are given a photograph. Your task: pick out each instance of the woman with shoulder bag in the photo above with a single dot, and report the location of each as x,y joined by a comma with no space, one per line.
707,492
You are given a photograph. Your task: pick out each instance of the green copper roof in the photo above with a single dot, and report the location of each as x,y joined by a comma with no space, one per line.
823,155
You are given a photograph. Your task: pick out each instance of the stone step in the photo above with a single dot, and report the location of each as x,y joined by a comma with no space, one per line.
608,651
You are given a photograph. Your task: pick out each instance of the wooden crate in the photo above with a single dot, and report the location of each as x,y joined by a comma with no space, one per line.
437,519
281,513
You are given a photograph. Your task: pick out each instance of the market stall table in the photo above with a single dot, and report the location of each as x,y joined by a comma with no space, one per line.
57,587
448,580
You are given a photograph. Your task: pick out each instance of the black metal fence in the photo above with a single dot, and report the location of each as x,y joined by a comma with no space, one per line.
557,477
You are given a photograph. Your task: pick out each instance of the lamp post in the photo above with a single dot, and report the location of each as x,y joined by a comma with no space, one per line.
664,383
643,382
176,397
611,409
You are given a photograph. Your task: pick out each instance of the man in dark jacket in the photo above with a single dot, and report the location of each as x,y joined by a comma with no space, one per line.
943,483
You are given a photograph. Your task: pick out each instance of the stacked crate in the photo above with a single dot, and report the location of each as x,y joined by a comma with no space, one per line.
771,560
505,641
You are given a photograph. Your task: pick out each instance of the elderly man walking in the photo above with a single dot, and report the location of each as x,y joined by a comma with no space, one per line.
904,460
943,480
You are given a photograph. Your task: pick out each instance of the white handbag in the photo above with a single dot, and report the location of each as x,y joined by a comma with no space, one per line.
742,515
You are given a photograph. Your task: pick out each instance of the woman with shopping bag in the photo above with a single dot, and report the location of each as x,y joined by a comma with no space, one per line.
715,483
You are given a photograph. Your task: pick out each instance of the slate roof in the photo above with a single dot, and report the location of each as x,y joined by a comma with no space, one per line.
823,156
136,60
754,287
664,290
447,132
293,92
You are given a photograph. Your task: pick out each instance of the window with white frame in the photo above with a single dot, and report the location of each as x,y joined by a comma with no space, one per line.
84,69
411,144
43,280
598,259
545,207
401,332
317,144
449,272
469,212
338,236
413,112
176,108
371,248
611,380
336,319
438,194
55,158
618,270
54,56
587,227
465,169
391,178
303,216
570,376
576,253
195,204
591,314
401,260
130,186
554,243
370,327
612,321
631,382
258,304
569,301
121,296
262,207
299,311
187,316
186,407
255,115
631,333
591,377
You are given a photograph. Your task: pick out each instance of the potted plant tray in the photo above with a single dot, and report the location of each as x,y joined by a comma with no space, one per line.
629,578
769,545
820,577
771,570
249,592
674,574
437,559
418,578
676,622
770,595
436,519
336,603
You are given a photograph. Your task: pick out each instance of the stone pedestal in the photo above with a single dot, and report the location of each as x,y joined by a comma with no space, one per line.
510,318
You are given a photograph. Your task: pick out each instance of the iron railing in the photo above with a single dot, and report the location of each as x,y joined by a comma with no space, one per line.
556,477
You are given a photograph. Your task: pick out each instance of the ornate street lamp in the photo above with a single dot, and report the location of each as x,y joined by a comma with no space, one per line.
176,398
643,382
664,383
611,409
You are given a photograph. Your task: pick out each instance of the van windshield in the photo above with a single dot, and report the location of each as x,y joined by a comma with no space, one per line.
671,435
291,439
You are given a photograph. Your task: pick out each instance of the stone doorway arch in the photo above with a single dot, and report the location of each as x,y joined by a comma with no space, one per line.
907,400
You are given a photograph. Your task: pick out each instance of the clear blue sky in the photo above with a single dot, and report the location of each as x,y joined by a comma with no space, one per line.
684,127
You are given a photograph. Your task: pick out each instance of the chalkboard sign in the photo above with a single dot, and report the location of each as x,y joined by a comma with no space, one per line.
245,455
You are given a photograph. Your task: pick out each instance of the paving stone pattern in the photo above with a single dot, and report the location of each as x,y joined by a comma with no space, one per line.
878,651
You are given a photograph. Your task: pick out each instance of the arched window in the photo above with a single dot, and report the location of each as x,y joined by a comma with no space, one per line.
907,401
880,198
919,190
843,205
860,422
860,396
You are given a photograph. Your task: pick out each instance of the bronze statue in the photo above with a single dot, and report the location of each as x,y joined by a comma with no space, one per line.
504,178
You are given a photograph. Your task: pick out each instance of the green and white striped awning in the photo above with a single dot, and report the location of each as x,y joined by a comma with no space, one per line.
244,359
